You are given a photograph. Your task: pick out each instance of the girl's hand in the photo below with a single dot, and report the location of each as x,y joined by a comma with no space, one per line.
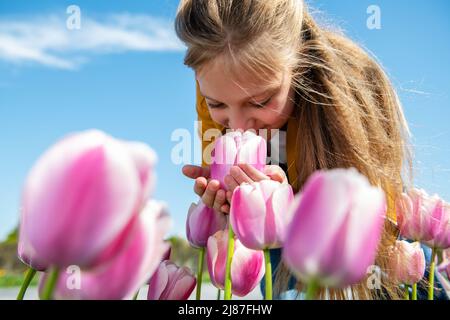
247,173
219,199
209,190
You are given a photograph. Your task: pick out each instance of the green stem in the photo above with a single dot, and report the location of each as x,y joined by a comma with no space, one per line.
406,296
414,291
136,295
230,251
201,261
50,284
26,283
440,256
218,294
268,275
311,291
431,276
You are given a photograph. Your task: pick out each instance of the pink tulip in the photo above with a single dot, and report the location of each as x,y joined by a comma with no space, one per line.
171,282
336,227
259,213
234,148
247,266
27,254
121,276
407,262
202,222
80,195
144,159
419,215
441,239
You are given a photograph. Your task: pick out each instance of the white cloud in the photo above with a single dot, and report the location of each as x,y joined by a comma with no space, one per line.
47,40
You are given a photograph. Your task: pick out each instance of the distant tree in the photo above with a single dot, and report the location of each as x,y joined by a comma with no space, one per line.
13,236
182,253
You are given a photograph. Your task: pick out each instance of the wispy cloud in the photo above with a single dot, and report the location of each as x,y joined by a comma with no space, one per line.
47,41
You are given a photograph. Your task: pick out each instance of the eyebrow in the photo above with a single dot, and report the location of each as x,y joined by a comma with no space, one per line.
271,90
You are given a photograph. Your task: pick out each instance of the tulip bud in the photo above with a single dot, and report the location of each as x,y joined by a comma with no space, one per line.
259,213
418,215
235,148
406,262
202,222
441,239
171,282
79,197
27,254
336,227
247,266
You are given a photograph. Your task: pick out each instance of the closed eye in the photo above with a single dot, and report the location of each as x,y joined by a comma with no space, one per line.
262,104
216,106
254,104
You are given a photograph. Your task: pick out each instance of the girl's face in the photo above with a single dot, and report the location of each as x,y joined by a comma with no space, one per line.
244,104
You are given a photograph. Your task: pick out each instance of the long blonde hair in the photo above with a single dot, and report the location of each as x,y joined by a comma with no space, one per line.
348,112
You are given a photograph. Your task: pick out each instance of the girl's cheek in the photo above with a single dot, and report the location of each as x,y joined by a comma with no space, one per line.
217,116
272,113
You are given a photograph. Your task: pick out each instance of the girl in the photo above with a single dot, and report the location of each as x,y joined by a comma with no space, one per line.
268,65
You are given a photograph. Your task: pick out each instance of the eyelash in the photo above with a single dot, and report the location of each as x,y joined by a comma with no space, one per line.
256,105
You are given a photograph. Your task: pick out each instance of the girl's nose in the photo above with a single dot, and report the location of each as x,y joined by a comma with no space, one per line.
240,122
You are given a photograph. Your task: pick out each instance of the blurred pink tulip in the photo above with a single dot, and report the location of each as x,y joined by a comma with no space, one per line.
122,276
259,213
144,159
419,215
234,148
171,282
27,254
202,222
336,228
81,194
407,262
247,266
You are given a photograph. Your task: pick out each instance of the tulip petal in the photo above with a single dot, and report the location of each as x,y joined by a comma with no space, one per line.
157,283
247,215
145,160
247,269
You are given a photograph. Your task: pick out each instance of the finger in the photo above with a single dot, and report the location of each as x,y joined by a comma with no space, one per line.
220,199
239,175
200,186
230,183
276,173
253,173
225,209
229,195
210,193
194,172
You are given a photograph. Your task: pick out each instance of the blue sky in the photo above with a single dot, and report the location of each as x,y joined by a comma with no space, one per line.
134,85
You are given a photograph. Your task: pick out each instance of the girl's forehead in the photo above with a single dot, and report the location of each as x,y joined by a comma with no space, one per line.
222,67
217,82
